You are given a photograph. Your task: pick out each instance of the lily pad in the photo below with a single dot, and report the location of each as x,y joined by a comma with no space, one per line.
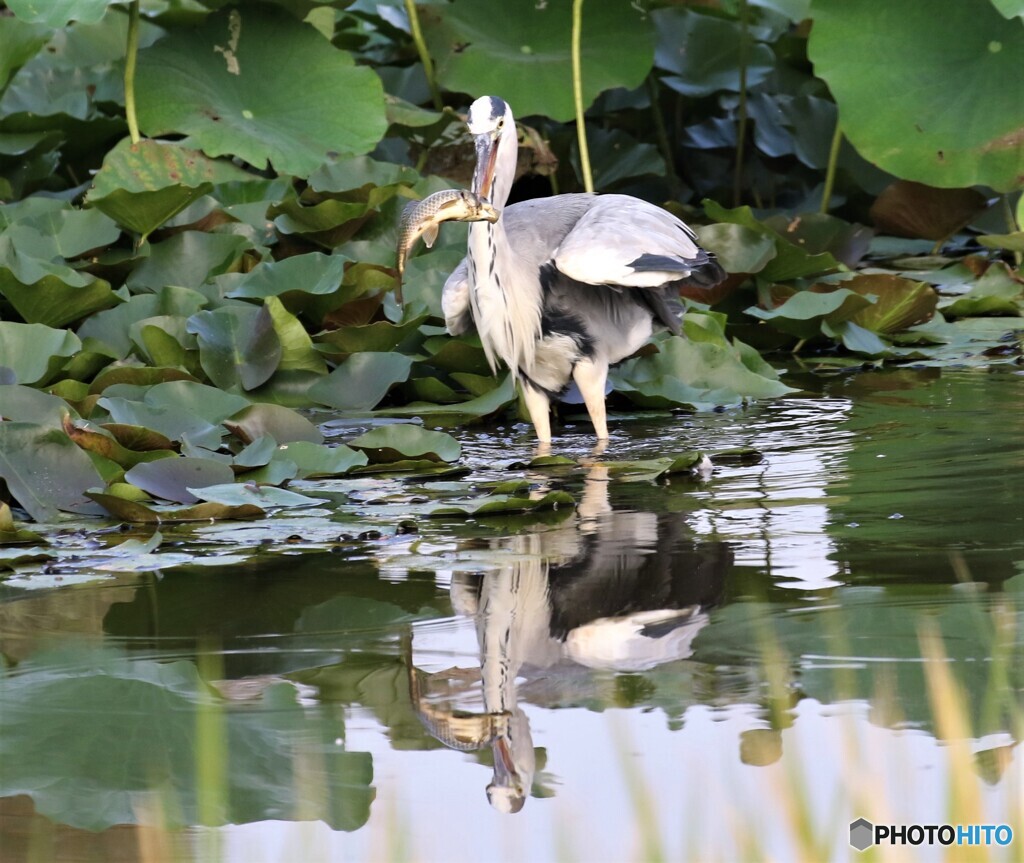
140,513
234,494
312,460
45,471
280,423
172,478
400,441
238,346
233,84
360,382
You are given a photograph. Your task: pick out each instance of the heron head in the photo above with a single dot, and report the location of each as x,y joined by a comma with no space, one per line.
491,123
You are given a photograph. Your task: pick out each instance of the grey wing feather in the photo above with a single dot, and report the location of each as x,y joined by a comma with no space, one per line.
458,317
622,240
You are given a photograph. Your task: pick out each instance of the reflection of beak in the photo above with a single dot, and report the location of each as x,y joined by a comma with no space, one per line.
505,773
486,157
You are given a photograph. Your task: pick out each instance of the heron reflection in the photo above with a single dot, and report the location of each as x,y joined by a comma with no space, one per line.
609,589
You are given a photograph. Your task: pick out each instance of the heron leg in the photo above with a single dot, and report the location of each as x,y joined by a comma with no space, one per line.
539,407
590,377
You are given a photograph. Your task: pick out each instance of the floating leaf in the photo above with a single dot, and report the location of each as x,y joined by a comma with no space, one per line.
140,513
11,534
699,374
312,459
360,382
526,59
313,273
297,351
44,470
105,444
171,478
26,405
233,85
241,494
280,423
398,441
34,352
237,345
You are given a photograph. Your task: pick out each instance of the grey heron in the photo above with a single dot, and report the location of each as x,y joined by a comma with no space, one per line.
562,288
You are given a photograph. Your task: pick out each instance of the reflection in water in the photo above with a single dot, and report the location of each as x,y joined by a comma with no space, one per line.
616,590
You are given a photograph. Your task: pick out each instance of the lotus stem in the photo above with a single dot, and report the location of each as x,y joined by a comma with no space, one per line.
660,129
577,92
741,131
131,56
421,49
830,173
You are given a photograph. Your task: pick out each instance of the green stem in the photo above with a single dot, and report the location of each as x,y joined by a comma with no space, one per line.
129,71
577,92
830,173
421,49
741,132
660,130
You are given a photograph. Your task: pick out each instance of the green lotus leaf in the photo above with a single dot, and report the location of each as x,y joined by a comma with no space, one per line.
899,303
297,351
57,13
187,260
238,347
739,249
145,184
360,382
523,54
140,513
917,131
174,422
34,352
698,374
801,312
705,53
26,405
282,424
242,494
44,471
233,85
398,441
313,459
171,478
314,273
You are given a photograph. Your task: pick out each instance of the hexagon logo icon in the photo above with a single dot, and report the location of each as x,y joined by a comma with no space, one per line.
862,834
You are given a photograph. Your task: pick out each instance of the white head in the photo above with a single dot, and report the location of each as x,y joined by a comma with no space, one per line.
491,123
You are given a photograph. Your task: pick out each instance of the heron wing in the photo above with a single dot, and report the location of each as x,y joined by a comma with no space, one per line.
622,240
458,318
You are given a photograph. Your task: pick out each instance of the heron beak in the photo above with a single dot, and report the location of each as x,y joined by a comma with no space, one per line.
486,157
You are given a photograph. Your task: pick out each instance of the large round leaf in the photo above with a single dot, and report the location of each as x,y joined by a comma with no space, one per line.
952,81
519,50
57,13
260,85
237,345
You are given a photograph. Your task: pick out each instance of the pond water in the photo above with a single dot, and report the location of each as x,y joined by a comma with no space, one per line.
727,666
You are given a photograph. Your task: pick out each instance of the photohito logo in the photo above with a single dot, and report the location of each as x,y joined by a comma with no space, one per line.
864,834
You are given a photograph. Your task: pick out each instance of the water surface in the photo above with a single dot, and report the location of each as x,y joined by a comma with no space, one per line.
727,667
